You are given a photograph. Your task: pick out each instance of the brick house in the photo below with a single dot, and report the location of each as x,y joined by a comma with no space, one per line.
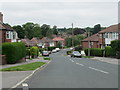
59,39
7,33
45,42
102,38
91,42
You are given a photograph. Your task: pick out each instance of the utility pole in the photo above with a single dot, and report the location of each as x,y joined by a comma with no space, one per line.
72,36
89,43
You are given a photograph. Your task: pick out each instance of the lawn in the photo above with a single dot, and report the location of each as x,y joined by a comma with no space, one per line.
47,58
87,57
25,67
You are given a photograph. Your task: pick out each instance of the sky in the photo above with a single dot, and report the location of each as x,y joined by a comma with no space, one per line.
61,13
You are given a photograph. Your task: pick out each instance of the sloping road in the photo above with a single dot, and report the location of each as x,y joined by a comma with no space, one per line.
67,72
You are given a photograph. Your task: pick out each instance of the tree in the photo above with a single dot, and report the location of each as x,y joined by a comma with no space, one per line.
28,28
20,31
49,33
96,28
37,31
77,31
55,31
44,29
59,45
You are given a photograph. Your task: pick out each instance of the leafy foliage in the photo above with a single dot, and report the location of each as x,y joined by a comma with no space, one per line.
109,51
13,51
115,44
94,51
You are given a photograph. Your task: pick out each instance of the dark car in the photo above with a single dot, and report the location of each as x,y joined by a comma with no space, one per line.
45,53
75,54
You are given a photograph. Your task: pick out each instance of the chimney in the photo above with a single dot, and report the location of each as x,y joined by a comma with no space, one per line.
1,18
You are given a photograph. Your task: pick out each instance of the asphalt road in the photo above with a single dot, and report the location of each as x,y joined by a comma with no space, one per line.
67,72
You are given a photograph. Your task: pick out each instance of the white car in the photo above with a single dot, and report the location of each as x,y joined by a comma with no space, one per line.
57,49
54,50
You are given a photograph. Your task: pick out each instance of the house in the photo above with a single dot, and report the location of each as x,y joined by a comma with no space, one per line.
59,39
45,42
91,42
107,35
102,38
8,34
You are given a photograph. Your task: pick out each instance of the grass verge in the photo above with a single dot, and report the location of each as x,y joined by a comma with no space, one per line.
87,57
47,58
25,67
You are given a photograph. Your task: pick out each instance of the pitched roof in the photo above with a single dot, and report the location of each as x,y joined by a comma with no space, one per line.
58,39
45,39
94,37
6,27
113,28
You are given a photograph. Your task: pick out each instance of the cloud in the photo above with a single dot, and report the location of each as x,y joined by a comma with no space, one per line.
61,14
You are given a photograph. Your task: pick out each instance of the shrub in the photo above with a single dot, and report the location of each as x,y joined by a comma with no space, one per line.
13,51
78,48
34,51
69,52
115,44
51,48
109,51
42,49
94,51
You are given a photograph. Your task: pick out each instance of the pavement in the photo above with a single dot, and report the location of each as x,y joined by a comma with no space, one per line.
11,78
39,59
107,60
67,72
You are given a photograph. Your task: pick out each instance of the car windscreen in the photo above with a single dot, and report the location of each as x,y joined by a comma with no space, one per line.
76,52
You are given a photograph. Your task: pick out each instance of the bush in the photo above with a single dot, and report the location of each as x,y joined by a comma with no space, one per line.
109,51
13,51
94,51
51,48
115,44
42,49
34,51
78,48
69,52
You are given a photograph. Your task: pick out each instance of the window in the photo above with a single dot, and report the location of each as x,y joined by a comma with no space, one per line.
14,36
100,35
7,35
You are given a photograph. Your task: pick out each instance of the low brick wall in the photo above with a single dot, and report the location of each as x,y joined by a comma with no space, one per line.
3,60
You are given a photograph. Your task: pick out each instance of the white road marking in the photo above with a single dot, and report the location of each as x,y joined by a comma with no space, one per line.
98,70
79,64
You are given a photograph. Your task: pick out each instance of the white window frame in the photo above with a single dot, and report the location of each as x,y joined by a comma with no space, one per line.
8,32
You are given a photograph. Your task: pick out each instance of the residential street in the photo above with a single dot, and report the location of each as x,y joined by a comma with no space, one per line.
67,72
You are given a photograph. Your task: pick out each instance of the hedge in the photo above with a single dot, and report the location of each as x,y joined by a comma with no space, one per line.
94,51
13,51
34,51
69,52
109,51
115,44
51,48
78,48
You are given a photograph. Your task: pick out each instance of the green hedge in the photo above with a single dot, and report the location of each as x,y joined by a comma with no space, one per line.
51,48
109,51
34,51
13,51
115,44
69,52
94,51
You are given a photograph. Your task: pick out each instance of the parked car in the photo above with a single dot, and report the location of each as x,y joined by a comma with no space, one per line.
57,49
76,54
45,53
54,51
